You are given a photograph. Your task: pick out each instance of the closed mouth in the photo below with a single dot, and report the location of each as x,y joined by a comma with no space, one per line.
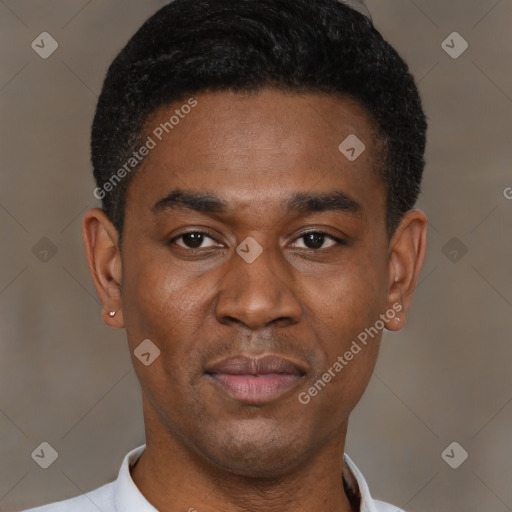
256,380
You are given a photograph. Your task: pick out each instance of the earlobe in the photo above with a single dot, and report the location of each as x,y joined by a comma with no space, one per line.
406,255
104,260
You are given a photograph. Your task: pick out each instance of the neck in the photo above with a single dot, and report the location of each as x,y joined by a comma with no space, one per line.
174,478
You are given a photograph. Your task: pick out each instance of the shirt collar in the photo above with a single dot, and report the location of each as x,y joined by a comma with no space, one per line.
367,503
128,498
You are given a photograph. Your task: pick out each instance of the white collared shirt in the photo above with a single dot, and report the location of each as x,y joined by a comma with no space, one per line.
122,495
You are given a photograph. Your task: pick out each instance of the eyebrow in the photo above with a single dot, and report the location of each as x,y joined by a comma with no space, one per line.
301,203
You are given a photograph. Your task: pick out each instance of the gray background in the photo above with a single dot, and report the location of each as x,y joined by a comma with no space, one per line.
66,379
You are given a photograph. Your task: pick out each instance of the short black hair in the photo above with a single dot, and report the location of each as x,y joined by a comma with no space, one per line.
303,46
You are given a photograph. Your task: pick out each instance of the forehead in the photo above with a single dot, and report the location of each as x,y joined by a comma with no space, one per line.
256,146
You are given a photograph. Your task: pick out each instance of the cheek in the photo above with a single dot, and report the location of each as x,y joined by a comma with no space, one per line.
349,360
159,305
169,308
347,321
353,296
333,393
156,301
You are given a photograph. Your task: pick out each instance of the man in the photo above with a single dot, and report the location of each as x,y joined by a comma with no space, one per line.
258,162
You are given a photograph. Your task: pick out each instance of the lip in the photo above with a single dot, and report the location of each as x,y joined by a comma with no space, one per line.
256,380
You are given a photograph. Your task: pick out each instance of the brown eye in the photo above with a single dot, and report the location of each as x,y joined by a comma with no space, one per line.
316,239
192,240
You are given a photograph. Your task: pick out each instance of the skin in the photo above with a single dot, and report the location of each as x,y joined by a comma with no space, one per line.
299,300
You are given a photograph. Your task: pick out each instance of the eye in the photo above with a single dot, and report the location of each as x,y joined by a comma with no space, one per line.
315,240
312,240
193,240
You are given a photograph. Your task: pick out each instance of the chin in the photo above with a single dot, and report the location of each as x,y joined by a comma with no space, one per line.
260,465
263,454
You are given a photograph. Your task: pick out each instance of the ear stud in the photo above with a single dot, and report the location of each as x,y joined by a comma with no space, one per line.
112,313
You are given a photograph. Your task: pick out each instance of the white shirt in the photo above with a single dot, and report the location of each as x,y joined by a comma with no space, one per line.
122,495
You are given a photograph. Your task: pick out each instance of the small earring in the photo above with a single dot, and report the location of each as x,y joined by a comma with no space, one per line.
112,313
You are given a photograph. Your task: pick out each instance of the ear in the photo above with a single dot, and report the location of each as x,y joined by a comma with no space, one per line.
104,260
406,255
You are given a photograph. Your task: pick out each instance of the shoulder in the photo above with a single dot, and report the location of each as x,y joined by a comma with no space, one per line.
380,506
99,499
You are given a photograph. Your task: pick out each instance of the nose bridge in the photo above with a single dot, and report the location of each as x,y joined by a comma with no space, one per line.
259,291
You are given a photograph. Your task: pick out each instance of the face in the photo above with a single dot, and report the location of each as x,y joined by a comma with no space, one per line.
254,254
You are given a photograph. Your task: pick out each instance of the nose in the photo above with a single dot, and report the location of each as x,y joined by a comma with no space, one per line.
258,294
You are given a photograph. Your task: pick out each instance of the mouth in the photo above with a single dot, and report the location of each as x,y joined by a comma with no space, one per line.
256,380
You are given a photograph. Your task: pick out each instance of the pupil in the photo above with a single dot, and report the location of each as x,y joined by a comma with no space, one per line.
316,240
193,240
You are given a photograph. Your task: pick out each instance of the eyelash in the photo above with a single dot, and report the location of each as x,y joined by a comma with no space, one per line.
339,241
